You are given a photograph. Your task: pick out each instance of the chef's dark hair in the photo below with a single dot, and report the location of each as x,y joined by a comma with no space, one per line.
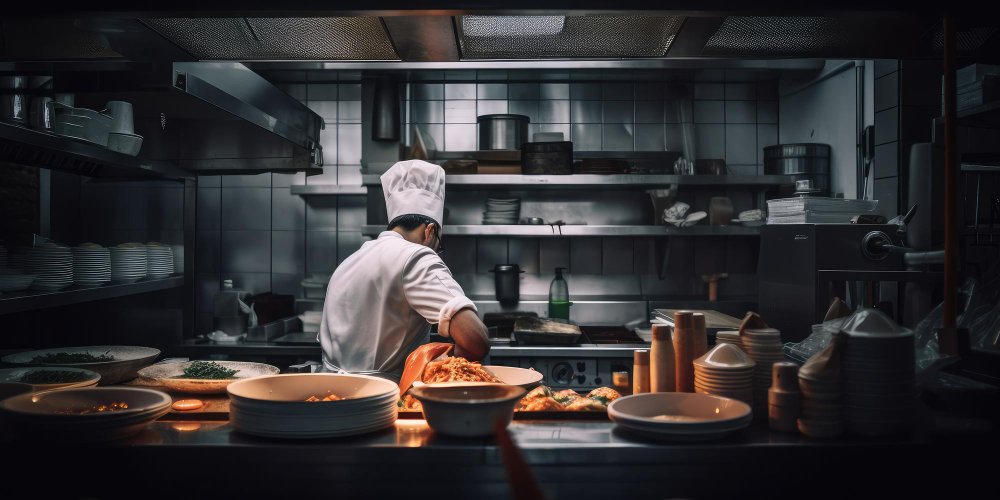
409,222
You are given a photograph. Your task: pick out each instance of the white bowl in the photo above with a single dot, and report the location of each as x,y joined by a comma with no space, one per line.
165,374
680,415
467,410
15,374
128,360
510,375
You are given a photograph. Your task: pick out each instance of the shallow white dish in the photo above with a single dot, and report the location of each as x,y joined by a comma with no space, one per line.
679,415
128,360
166,375
15,374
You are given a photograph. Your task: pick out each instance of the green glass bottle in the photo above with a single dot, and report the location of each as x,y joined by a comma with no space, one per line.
559,297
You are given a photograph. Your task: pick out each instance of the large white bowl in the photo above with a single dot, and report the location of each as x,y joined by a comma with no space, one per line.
165,375
128,360
467,410
690,416
510,375
15,374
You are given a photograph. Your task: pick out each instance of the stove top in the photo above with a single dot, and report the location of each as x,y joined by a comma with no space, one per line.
594,335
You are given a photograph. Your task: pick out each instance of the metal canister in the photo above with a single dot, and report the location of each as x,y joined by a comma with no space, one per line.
503,131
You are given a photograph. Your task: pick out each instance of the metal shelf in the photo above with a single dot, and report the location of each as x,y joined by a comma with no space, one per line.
985,115
629,181
526,230
32,300
329,190
25,146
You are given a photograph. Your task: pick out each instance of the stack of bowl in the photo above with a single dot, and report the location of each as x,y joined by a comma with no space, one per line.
728,337
763,345
822,393
725,371
91,265
879,374
276,406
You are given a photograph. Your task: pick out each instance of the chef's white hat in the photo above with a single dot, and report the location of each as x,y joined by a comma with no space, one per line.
414,187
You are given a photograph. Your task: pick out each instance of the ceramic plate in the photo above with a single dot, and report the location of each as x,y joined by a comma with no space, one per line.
165,375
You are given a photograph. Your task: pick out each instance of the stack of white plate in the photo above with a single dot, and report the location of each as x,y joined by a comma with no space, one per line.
728,337
763,345
680,416
91,265
725,371
275,406
67,414
14,281
160,259
879,375
822,407
128,262
52,266
502,211
178,258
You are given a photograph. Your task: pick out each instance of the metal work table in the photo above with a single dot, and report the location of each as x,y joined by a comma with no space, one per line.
571,459
500,350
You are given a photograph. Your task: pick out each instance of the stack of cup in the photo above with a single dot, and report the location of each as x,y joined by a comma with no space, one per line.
783,398
822,394
725,371
728,337
764,346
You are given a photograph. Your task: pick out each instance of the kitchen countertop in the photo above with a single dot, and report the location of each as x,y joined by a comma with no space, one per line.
572,459
505,350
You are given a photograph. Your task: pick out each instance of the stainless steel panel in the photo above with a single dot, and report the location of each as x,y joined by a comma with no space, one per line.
296,91
585,111
288,211
586,137
246,208
767,135
589,91
460,254
433,135
618,137
460,74
426,91
288,252
553,111
287,284
553,253
553,91
479,285
649,91
741,144
286,180
459,91
349,144
585,256
328,177
674,137
491,91
887,126
617,91
321,251
619,112
351,213
321,213
206,286
349,92
490,251
886,163
709,91
349,111
767,112
349,175
491,107
245,181
519,91
209,251
887,92
209,181
741,112
460,137
526,108
459,111
740,91
252,282
710,140
321,92
617,256
709,112
246,251
649,112
348,242
524,253
649,137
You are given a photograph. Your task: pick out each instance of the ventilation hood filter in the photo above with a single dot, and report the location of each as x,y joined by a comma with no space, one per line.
803,36
256,39
535,37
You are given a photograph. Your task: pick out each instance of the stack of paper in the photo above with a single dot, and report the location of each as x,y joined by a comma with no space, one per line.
817,210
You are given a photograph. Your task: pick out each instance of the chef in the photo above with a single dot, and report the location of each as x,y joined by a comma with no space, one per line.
381,299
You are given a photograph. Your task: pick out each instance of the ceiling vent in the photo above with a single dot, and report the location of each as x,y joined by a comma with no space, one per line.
277,39
535,37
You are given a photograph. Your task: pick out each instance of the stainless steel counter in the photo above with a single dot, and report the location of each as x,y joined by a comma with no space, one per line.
570,459
505,350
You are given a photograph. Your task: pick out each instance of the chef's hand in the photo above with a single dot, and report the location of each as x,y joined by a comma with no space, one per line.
469,334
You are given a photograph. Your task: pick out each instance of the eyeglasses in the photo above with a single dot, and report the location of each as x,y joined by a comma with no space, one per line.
440,246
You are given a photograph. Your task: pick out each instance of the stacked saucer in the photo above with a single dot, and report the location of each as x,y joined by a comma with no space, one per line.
822,393
728,337
763,345
128,262
879,375
91,265
725,371
160,260
502,211
52,266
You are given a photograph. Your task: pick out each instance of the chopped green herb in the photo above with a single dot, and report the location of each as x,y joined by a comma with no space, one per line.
52,377
207,370
72,358
601,399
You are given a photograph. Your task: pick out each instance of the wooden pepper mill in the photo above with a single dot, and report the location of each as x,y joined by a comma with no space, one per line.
686,344
661,361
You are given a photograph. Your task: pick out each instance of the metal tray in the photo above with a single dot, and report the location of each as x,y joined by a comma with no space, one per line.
541,331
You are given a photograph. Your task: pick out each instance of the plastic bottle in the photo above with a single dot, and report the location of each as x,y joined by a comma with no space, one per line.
559,297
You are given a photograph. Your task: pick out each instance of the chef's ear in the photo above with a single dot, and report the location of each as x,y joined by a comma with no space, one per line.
429,233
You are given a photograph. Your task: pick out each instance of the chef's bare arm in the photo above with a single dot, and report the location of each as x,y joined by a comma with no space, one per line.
469,334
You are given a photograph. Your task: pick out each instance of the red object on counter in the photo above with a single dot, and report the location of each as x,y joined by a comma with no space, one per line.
413,369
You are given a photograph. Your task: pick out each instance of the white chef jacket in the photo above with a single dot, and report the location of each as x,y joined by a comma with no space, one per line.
379,304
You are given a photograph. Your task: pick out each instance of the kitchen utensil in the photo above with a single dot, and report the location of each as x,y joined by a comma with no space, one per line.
710,167
640,371
507,283
675,214
167,375
121,117
467,409
127,360
547,158
502,131
662,369
720,211
41,113
129,144
83,124
680,416
546,332
87,378
511,375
